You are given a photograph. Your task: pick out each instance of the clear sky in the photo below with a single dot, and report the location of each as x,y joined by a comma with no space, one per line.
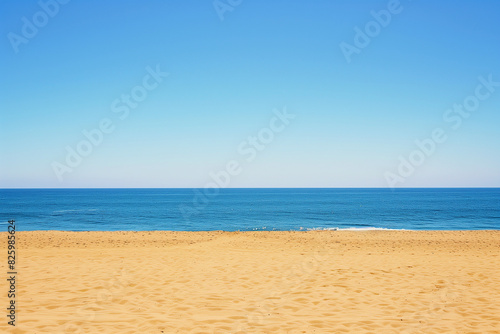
361,91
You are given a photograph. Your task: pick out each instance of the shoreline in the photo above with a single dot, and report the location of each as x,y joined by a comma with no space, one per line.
257,281
40,237
334,229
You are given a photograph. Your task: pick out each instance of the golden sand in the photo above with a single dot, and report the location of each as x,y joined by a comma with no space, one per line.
256,282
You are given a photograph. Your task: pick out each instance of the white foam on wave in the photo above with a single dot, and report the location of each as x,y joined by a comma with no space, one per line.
368,228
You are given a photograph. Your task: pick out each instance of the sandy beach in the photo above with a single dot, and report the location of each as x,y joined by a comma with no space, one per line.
256,282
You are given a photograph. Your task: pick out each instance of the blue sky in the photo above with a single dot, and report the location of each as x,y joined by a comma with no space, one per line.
354,121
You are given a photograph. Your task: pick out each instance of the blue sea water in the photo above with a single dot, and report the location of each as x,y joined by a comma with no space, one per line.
250,209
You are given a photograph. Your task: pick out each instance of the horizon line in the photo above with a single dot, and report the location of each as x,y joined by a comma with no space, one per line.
389,188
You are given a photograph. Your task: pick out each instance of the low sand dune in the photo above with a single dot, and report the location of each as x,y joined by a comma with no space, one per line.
256,282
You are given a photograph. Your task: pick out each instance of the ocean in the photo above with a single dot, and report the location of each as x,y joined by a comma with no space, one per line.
251,209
